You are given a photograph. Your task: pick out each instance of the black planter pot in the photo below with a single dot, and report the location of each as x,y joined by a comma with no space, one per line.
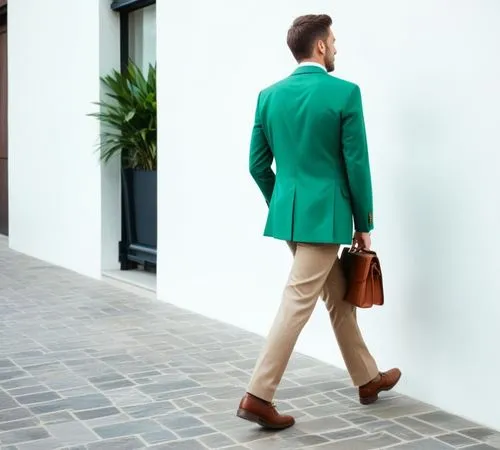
139,204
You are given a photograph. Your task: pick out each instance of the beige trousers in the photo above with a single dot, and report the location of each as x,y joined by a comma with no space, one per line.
315,271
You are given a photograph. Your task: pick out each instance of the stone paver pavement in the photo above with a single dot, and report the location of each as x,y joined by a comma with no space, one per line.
86,365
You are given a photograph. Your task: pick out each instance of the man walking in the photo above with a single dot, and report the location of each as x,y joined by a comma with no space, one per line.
312,124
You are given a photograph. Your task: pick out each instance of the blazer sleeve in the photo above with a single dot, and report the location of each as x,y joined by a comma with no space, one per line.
261,158
355,151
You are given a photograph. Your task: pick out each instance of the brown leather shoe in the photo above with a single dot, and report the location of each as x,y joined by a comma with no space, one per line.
264,413
369,392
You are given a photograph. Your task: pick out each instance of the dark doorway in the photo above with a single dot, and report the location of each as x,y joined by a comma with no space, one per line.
4,185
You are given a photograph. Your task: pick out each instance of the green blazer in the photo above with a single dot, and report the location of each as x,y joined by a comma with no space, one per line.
312,125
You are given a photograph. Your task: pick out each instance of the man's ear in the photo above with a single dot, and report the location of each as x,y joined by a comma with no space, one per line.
321,47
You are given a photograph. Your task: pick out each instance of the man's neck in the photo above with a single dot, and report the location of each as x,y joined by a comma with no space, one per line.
311,62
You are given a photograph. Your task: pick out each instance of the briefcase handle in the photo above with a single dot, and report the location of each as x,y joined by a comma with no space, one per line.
361,250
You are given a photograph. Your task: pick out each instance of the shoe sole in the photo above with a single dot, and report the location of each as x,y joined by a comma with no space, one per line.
247,415
374,398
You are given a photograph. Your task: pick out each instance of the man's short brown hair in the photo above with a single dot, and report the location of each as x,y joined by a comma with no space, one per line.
305,31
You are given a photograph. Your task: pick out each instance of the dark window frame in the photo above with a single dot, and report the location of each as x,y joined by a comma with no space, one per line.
124,8
130,5
3,15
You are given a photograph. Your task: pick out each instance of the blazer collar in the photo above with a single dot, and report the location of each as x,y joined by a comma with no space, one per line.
302,70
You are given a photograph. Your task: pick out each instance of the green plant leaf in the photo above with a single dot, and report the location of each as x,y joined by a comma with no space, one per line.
128,117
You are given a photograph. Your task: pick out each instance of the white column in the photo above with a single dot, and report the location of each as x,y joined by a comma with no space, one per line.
61,206
111,221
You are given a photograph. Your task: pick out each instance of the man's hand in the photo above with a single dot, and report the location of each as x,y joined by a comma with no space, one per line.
362,241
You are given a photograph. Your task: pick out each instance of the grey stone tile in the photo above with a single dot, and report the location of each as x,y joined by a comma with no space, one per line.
327,410
127,443
23,435
107,420
226,392
322,425
71,433
195,410
295,392
96,413
12,374
195,432
19,383
113,376
456,440
50,407
365,442
419,426
482,447
79,403
182,403
127,428
271,443
78,392
156,437
127,397
481,433
90,401
217,418
276,441
149,409
7,402
302,403
177,421
74,447
357,418
57,417
493,442
6,364
147,374
17,424
425,444
390,409
37,398
160,388
180,445
236,447
8,415
305,441
42,444
141,381
401,432
221,406
445,420
36,389
115,385
216,441
245,434
321,399
345,433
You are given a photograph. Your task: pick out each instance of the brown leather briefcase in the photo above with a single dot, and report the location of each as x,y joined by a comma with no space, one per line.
364,277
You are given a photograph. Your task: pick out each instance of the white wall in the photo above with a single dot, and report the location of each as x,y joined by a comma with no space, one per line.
429,72
55,184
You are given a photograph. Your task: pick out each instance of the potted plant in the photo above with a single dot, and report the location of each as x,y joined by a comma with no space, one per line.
129,119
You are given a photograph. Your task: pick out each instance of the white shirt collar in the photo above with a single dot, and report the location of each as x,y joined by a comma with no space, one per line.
307,63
